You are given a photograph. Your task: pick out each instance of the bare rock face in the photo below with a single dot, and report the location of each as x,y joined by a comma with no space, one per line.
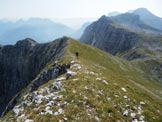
104,35
22,62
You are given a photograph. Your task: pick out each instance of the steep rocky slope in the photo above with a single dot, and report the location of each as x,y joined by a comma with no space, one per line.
22,62
104,35
101,87
128,37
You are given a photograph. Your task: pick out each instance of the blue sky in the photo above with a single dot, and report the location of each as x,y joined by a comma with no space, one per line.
72,8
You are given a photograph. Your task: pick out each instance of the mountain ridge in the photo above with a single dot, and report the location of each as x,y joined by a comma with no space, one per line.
22,62
93,92
43,30
104,35
149,18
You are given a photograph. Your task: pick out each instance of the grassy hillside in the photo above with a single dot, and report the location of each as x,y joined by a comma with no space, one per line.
102,88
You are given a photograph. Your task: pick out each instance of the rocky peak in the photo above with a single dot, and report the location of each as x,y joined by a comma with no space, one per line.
26,43
143,11
104,35
104,19
21,63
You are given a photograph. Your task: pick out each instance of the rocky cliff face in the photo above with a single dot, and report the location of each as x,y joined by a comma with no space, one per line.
22,62
104,35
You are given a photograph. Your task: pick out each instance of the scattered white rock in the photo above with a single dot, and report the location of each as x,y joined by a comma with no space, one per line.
60,111
123,89
79,67
42,113
56,113
65,103
96,117
133,115
72,62
21,118
28,103
75,79
38,99
85,87
125,97
85,97
100,92
125,113
60,79
139,110
142,103
127,106
128,99
98,79
105,82
142,118
29,120
134,107
47,108
108,98
65,119
74,91
116,95
71,73
49,112
91,73
17,110
75,65
57,86
134,120
58,104
56,62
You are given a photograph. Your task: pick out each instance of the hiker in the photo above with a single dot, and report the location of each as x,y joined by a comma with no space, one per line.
77,54
68,75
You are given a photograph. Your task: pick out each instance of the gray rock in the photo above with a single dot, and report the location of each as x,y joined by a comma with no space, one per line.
103,35
21,63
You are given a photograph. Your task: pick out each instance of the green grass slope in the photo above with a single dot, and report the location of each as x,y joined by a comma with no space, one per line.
102,89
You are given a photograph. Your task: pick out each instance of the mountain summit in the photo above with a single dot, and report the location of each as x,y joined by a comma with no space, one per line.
42,30
106,35
22,62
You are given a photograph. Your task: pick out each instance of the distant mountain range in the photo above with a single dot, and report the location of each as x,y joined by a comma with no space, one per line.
149,18
43,30
119,33
145,15
78,33
133,22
